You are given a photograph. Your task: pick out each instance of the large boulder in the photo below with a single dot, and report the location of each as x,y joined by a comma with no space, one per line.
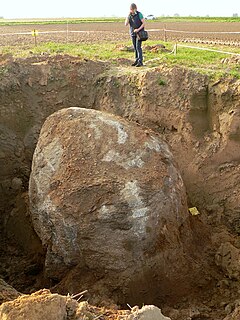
106,195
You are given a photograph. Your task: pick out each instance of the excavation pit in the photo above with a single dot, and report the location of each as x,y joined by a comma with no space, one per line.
198,119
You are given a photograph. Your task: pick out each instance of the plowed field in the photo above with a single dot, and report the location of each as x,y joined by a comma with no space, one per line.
206,32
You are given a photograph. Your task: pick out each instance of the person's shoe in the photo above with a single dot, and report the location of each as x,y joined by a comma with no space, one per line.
135,63
139,64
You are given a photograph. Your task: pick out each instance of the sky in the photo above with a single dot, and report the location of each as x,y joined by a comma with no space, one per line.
10,9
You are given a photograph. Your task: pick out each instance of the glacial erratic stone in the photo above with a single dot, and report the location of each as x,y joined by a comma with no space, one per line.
106,195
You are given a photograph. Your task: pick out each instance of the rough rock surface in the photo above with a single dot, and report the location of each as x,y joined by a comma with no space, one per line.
7,293
235,315
228,258
147,313
106,195
23,111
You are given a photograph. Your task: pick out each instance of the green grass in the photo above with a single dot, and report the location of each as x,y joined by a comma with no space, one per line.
9,22
202,61
197,19
4,22
205,61
161,82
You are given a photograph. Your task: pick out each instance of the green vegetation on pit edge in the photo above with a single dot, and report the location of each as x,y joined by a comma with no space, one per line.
9,22
207,62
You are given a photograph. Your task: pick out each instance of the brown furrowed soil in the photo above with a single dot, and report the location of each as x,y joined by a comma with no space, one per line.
213,32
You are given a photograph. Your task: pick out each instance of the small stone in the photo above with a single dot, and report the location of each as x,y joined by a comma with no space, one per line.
2,155
223,283
148,312
229,308
16,184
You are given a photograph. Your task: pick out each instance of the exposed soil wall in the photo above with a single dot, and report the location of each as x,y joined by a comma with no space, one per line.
198,118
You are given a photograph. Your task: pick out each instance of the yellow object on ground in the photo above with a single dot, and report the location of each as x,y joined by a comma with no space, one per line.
194,211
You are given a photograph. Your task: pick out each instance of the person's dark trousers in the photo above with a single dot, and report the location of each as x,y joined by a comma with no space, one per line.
138,49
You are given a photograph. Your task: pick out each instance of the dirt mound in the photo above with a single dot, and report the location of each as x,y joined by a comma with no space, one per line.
45,305
40,305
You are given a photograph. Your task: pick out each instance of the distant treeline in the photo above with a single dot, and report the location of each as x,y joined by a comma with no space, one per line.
8,22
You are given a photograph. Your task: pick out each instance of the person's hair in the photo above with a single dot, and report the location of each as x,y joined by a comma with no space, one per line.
133,6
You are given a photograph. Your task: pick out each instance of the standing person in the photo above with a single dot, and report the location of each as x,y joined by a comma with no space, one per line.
136,21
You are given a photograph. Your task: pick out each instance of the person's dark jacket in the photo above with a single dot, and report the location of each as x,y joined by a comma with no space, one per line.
135,22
